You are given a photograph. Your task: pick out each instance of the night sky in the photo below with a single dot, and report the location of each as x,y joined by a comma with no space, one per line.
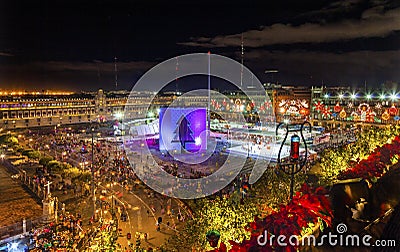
71,45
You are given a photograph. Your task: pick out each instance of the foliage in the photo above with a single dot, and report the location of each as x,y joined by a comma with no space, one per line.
20,149
272,190
310,205
227,215
334,161
45,160
76,173
8,139
72,172
376,164
55,166
25,152
34,154
230,216
3,138
31,153
85,176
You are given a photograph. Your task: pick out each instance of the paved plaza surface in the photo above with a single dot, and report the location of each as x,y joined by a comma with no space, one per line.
15,202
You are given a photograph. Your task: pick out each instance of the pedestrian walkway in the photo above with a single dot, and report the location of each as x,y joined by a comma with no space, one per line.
16,203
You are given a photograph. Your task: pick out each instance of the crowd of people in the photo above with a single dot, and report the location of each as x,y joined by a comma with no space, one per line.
66,234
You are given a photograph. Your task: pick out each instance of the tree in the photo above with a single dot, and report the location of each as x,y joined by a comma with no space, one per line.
334,161
183,132
55,166
31,153
230,216
45,160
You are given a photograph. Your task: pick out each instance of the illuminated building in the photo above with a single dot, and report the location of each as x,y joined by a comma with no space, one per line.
33,110
330,107
290,104
334,107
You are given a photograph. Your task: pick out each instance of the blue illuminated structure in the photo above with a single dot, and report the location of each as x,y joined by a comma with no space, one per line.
183,129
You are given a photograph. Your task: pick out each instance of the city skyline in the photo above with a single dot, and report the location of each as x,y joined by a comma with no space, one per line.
72,46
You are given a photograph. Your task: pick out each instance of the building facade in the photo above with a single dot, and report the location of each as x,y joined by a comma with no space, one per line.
343,107
290,104
22,111
330,107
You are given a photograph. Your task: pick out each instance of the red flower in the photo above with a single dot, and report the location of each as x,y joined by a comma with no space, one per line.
307,205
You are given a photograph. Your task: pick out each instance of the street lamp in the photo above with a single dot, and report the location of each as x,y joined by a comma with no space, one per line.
92,169
296,162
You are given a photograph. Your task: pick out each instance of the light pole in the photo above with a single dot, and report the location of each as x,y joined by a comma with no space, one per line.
141,152
296,162
92,169
248,144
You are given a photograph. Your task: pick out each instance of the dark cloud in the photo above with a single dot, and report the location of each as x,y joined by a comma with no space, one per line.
374,23
4,54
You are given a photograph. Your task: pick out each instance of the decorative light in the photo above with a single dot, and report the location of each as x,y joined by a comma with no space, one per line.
369,96
353,96
393,110
150,114
393,96
382,96
385,115
294,147
319,106
343,114
337,108
340,96
14,246
326,112
118,115
197,141
326,96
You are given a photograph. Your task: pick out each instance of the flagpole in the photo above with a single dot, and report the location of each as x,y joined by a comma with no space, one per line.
209,89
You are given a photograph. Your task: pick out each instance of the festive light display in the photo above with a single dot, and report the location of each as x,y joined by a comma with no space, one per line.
333,161
326,112
363,112
337,108
385,115
239,105
343,114
393,110
318,106
293,107
376,164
